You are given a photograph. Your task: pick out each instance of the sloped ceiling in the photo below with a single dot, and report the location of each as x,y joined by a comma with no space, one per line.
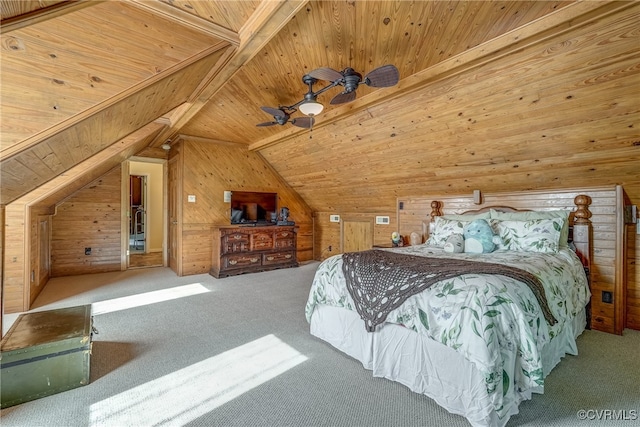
79,76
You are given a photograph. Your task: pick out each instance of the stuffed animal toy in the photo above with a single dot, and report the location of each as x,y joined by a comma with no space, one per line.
478,237
454,243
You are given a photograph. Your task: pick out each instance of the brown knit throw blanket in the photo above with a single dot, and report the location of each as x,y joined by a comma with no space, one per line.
380,281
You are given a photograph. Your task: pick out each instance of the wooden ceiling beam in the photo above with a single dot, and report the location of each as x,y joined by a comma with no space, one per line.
187,19
44,14
61,187
10,151
565,19
267,20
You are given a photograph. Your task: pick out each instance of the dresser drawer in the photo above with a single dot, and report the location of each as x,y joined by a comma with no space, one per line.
261,241
235,247
284,234
238,261
284,243
278,258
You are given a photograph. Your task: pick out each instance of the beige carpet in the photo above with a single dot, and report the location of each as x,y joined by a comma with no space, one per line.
199,351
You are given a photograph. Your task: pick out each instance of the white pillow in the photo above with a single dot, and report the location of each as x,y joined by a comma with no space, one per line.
534,235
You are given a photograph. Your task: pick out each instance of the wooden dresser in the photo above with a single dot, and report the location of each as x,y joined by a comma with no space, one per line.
238,250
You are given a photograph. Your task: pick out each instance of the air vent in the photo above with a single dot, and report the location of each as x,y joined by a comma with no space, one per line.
384,220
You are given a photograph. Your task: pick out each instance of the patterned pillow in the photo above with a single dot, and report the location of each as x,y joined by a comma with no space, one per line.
527,215
444,228
534,235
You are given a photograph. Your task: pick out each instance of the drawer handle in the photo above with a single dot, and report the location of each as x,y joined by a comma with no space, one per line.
285,234
233,262
270,258
254,259
237,236
287,256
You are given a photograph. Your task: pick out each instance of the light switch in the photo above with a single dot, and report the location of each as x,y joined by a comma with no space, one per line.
191,198
334,218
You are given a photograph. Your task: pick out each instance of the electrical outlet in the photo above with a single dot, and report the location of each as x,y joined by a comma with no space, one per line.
607,297
87,251
334,218
329,248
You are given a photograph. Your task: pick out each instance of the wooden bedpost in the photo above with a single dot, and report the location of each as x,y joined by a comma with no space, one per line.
435,211
581,237
582,229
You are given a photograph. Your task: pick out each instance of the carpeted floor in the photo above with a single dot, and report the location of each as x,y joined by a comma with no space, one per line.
199,351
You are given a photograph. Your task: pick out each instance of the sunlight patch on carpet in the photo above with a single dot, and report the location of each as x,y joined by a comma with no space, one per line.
186,394
138,300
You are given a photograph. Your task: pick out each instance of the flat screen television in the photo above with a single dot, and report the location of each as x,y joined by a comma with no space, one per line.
253,207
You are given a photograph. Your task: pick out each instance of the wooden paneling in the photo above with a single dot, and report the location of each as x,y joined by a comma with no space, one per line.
12,8
211,168
356,235
91,218
39,250
608,259
59,70
31,167
18,253
633,278
228,14
15,266
559,113
359,34
462,133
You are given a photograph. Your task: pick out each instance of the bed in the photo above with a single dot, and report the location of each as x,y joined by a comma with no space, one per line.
476,343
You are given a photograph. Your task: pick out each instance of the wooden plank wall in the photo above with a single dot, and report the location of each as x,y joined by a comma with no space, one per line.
328,234
1,264
210,168
39,240
607,270
18,254
15,258
89,219
633,277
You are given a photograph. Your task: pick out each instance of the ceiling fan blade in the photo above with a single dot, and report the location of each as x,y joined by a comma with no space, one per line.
325,73
385,76
267,124
343,98
275,112
303,122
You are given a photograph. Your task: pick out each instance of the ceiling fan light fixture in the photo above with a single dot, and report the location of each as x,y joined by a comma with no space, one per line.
311,108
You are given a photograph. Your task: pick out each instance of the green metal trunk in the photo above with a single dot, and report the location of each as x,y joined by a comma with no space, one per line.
45,353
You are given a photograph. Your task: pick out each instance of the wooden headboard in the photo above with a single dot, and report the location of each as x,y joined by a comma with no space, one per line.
597,219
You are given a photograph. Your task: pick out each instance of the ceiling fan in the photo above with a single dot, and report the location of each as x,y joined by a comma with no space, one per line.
281,116
384,76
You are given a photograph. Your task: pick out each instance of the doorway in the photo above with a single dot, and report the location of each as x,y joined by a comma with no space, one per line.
145,214
138,215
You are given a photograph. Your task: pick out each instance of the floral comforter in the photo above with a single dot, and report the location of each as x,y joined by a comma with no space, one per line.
495,322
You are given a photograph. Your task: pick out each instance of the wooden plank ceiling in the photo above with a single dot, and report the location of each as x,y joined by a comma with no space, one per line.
79,76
